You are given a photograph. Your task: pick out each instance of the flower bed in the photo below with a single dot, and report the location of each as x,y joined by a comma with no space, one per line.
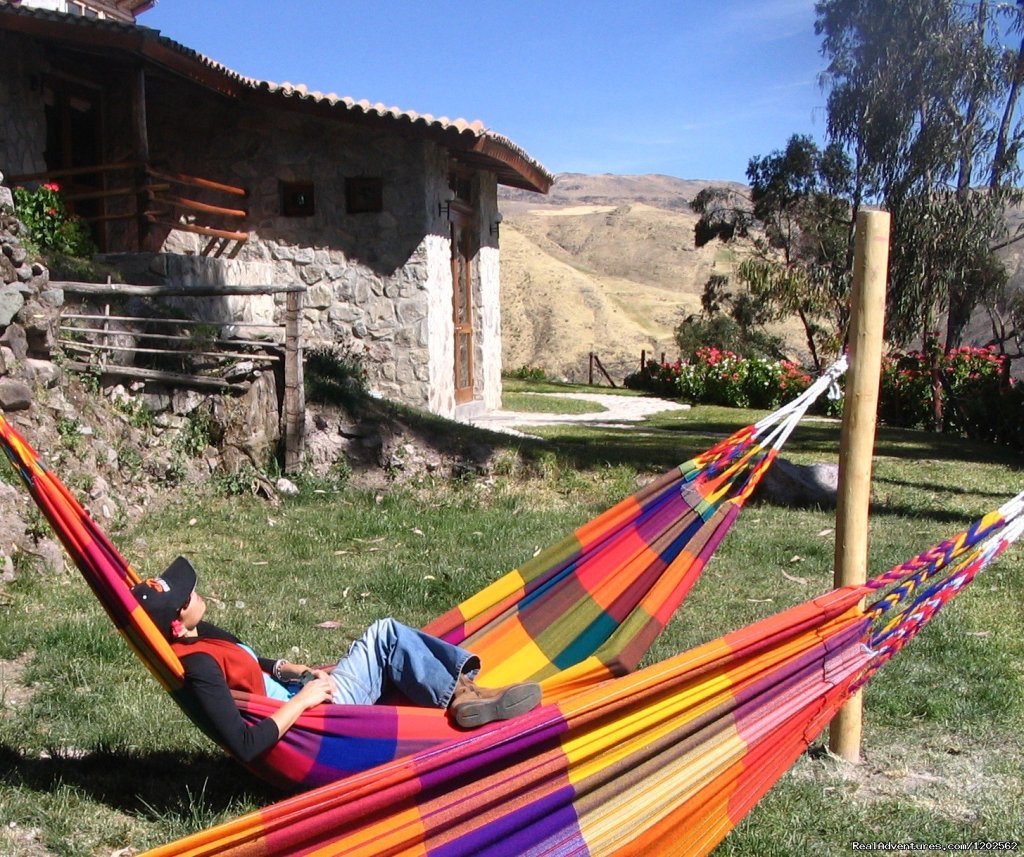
979,400
717,377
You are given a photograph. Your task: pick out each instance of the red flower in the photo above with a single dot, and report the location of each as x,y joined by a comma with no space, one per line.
51,186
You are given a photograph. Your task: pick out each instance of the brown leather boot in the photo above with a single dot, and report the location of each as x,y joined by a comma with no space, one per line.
472,705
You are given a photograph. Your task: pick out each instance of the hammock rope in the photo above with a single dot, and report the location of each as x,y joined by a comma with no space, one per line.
917,590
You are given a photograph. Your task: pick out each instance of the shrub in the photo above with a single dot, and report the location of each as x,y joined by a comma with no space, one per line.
529,373
719,377
979,399
334,374
50,226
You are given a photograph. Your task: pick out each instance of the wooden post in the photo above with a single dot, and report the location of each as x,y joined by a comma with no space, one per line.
140,144
857,440
294,392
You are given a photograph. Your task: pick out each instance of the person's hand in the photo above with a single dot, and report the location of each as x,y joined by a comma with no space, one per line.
320,689
286,671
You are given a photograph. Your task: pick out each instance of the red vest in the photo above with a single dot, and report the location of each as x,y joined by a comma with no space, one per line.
241,672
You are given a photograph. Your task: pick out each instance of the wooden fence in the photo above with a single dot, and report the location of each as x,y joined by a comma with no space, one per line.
93,339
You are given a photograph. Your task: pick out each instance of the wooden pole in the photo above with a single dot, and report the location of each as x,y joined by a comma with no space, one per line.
867,321
294,392
140,128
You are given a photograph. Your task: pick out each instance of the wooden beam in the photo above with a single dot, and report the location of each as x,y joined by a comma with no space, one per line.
140,143
199,230
195,205
74,171
196,181
171,291
74,344
101,194
178,378
104,218
140,128
185,321
294,386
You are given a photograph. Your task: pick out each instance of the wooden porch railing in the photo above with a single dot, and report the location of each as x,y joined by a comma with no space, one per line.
169,206
153,196
89,339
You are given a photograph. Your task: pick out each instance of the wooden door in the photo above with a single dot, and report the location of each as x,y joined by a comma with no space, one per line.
463,256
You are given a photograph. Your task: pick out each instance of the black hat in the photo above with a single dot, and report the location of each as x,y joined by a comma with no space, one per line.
164,596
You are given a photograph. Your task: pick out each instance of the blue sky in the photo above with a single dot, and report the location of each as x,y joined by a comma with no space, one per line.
689,88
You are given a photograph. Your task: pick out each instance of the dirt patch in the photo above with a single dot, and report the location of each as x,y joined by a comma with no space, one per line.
17,840
13,692
945,775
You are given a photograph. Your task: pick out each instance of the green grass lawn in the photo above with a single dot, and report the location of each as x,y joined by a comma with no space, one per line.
548,404
95,758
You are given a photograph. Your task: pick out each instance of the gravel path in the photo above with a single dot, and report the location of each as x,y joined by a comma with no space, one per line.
618,409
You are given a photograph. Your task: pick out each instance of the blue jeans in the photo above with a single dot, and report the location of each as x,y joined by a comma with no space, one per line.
391,656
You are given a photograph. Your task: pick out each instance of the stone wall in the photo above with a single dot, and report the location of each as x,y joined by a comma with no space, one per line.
249,423
23,129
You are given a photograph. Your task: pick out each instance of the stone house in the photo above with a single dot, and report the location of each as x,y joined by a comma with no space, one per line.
191,172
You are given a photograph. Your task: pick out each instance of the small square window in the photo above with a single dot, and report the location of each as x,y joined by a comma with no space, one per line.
297,199
364,194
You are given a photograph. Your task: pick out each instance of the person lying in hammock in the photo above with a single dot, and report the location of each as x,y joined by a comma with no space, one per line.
389,656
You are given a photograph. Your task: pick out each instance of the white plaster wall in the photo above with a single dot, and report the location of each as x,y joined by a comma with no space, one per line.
487,324
440,326
489,329
50,5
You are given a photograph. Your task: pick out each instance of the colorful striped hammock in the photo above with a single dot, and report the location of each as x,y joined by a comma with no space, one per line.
585,610
664,761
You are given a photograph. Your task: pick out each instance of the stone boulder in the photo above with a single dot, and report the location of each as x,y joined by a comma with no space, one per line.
14,395
15,340
800,485
40,324
11,302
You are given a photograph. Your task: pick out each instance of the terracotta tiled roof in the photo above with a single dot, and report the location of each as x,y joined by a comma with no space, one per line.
468,141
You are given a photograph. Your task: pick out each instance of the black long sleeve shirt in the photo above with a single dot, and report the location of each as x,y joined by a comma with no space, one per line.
205,681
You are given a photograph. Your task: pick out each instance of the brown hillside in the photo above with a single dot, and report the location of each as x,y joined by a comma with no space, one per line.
604,264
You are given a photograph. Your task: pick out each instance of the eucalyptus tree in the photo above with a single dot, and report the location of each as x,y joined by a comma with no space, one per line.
923,96
796,226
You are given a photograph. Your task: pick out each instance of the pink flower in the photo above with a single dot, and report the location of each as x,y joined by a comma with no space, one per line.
51,186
